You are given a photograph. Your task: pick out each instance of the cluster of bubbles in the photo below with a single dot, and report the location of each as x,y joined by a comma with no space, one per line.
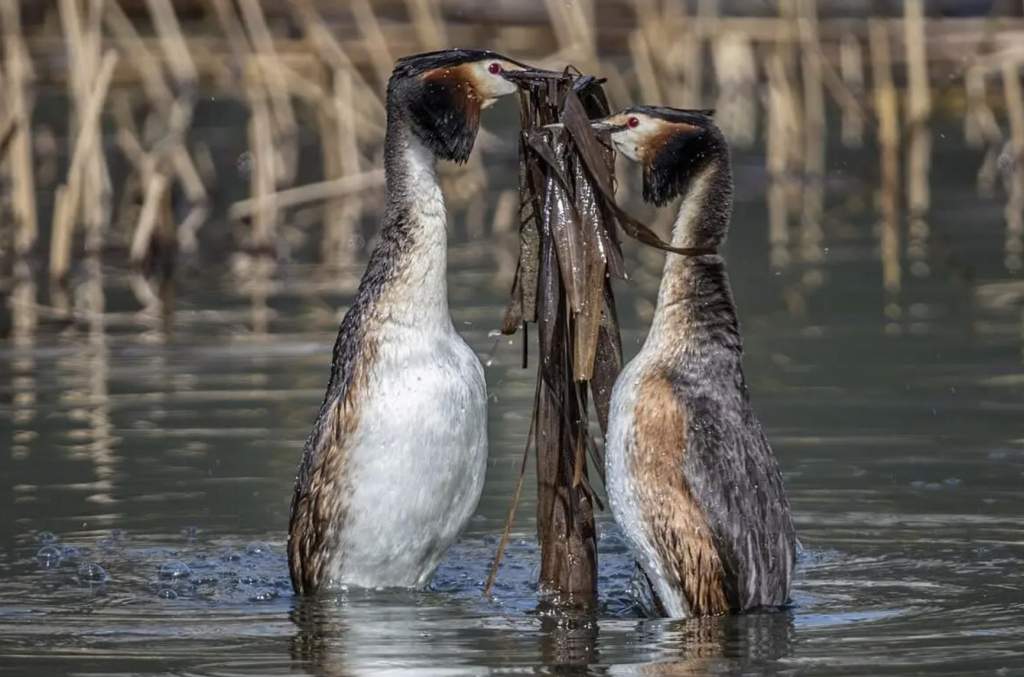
253,573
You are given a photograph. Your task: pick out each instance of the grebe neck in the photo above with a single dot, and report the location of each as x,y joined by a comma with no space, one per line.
413,240
695,308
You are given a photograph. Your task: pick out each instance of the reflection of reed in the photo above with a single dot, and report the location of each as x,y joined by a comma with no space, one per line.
22,306
783,132
1015,172
851,66
86,393
918,109
887,110
814,135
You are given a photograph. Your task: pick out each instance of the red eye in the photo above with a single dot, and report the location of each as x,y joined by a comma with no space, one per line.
633,122
494,68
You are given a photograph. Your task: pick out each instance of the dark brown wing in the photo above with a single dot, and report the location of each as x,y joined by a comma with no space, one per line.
735,479
318,503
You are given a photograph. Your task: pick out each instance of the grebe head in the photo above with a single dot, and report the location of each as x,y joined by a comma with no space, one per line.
673,145
442,93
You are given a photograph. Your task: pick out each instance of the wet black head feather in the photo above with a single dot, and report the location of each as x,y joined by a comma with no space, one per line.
681,153
438,99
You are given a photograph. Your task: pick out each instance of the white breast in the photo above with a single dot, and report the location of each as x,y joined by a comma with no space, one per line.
417,461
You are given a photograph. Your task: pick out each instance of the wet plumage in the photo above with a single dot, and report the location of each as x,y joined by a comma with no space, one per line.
394,466
692,480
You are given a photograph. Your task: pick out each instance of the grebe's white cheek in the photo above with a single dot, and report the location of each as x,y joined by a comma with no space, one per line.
628,147
492,85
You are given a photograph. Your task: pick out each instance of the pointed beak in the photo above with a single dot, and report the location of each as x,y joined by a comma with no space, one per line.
527,73
603,127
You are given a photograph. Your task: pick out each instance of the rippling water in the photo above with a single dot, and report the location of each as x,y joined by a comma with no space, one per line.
147,465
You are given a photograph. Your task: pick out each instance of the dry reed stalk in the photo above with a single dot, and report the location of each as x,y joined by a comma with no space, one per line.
233,31
643,67
312,192
69,195
83,36
156,189
142,59
1014,254
343,213
172,43
980,125
814,134
150,69
264,172
887,111
174,157
377,44
573,24
736,74
505,211
429,24
275,83
783,130
330,50
918,108
851,66
17,77
692,55
327,124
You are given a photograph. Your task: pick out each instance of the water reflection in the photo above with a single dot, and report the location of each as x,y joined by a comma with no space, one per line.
22,306
353,633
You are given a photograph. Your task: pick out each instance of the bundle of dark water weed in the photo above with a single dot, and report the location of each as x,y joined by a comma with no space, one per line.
569,252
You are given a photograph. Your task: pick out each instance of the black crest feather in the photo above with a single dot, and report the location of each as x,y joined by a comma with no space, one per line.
442,107
681,155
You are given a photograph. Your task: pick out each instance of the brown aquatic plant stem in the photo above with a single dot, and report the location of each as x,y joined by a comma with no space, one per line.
569,253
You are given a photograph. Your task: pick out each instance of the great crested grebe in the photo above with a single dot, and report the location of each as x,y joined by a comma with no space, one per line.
691,479
394,466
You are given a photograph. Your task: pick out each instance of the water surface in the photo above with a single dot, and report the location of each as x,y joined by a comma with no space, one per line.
163,450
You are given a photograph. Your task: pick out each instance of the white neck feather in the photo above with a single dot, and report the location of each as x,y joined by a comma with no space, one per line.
686,221
422,296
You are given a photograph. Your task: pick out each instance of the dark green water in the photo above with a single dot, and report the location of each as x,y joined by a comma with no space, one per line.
139,447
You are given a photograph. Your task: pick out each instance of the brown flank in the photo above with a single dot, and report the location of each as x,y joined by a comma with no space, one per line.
320,506
677,525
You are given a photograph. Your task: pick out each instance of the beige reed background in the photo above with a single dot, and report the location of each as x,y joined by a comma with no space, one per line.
132,72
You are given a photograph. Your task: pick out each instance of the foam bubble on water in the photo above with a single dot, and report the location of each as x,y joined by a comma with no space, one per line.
257,549
265,595
167,593
91,573
175,569
49,556
46,537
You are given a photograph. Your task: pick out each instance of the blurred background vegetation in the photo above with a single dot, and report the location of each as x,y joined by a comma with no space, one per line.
152,133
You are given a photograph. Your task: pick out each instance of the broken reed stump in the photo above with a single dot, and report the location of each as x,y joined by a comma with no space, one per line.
569,253
567,244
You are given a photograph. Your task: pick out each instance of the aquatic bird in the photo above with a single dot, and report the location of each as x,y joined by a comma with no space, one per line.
691,479
394,466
